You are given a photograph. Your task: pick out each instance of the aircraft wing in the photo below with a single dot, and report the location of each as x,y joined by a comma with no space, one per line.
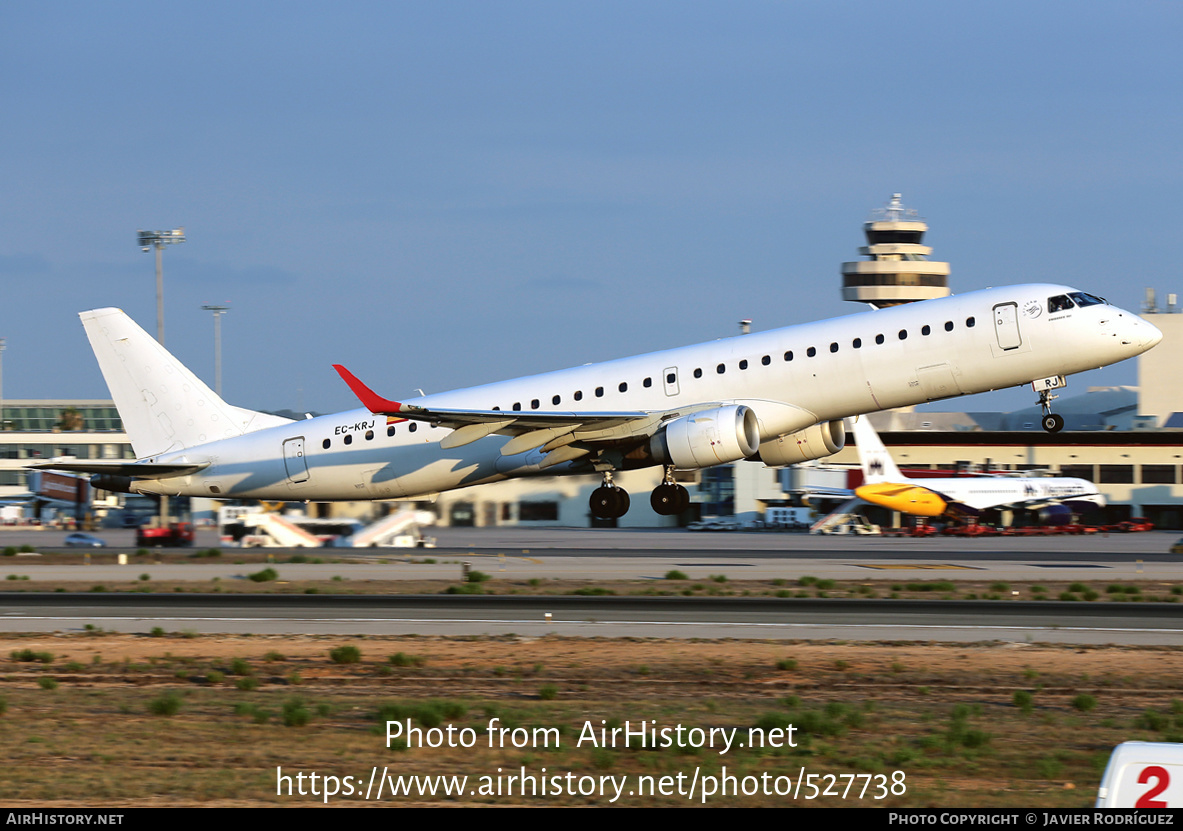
116,467
574,432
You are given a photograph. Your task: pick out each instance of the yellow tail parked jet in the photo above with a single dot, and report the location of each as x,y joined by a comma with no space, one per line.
778,397
1055,500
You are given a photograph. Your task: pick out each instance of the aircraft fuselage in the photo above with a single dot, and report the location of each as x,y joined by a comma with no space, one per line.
829,370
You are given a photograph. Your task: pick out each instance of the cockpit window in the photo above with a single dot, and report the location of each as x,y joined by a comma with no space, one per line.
1083,299
1059,303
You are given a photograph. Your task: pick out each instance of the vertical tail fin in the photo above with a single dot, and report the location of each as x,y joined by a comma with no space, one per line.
877,464
163,405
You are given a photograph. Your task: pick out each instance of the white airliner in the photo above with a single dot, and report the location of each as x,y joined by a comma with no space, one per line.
777,396
1054,500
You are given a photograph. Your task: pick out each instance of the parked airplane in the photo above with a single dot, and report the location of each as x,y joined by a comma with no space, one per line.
1054,500
777,396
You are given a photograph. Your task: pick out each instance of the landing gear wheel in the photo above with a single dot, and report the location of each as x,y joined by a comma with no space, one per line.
1052,422
609,502
669,499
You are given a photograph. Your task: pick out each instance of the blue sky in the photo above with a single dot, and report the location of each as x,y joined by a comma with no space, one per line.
446,194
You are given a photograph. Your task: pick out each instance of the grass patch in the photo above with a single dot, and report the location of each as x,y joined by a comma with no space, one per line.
345,654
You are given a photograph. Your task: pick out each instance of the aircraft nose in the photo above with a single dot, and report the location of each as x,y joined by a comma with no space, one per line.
1151,334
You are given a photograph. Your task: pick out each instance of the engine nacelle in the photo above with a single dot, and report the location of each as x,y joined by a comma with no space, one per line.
814,442
711,437
111,482
1054,515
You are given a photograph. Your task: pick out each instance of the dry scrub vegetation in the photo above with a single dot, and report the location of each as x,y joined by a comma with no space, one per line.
104,719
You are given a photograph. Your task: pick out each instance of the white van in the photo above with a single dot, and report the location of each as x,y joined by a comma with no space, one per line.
1143,775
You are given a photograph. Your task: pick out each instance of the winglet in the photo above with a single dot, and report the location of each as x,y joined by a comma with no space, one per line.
371,400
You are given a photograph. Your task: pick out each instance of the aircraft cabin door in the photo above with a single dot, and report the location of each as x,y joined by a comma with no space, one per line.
1006,326
670,379
294,461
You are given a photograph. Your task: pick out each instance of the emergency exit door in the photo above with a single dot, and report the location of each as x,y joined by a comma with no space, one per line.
1006,326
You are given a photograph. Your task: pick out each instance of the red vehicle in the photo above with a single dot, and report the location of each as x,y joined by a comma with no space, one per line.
177,534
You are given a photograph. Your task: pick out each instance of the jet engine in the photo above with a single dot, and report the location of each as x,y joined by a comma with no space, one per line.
113,483
711,437
1054,515
814,442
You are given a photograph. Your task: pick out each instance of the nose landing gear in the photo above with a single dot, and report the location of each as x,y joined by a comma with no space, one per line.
1052,422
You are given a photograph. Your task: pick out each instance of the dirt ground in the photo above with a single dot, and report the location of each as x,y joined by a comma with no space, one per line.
945,718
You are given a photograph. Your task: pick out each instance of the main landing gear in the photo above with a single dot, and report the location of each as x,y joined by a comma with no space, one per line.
669,498
1052,422
610,501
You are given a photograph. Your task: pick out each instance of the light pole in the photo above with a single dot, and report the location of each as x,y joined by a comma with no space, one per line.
157,240
218,309
3,346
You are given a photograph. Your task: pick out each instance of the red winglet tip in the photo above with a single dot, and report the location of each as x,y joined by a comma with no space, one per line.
370,399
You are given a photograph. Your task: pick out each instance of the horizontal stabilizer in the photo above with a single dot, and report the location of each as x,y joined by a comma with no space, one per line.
114,467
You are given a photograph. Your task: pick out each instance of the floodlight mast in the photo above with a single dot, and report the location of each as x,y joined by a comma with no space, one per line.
3,346
157,240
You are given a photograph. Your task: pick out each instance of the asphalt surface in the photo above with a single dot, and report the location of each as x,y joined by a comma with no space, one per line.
634,554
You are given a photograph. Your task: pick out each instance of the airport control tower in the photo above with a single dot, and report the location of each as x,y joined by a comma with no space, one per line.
898,269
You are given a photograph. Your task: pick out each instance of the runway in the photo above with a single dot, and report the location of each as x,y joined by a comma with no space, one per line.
651,617
598,554
580,554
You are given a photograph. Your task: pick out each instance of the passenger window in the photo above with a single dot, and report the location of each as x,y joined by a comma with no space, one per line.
389,432
1059,303
833,347
517,405
743,364
623,386
599,392
555,400
648,382
720,369
671,378
325,444
969,322
498,408
534,404
412,427
369,435
766,360
578,395
810,352
903,334
948,326
924,330
698,373
789,355
348,438
857,343
879,339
